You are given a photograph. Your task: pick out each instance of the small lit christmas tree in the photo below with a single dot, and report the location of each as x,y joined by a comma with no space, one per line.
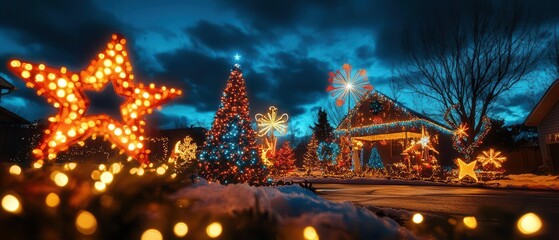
284,159
230,153
374,160
310,160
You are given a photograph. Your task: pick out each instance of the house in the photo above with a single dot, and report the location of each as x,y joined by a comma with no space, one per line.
380,122
545,116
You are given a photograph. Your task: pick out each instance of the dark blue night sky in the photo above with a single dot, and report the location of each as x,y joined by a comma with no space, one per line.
287,48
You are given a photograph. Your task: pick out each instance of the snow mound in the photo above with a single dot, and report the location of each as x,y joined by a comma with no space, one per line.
296,206
530,181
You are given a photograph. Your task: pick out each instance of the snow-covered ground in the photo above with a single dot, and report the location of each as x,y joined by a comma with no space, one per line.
530,181
296,208
520,181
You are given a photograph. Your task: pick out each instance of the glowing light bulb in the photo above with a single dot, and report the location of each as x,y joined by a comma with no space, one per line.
180,229
100,186
106,177
417,218
529,223
214,230
52,200
11,204
60,179
470,222
152,234
15,170
309,233
160,171
86,223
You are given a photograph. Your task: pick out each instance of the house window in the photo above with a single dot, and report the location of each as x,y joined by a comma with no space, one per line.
397,148
552,138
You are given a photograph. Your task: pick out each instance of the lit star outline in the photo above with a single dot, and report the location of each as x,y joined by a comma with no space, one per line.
65,91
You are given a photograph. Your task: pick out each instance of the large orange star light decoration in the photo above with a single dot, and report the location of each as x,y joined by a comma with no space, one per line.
65,91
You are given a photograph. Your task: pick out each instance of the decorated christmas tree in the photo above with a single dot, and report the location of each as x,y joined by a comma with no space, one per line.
230,153
310,160
284,159
374,160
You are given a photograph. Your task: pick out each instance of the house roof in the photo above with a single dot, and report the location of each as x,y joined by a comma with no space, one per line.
413,119
549,99
4,84
7,116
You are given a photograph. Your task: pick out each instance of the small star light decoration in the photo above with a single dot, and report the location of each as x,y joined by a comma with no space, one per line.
466,169
491,158
65,90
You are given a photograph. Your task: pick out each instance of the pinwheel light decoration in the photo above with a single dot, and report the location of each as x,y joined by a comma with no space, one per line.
65,90
348,84
268,125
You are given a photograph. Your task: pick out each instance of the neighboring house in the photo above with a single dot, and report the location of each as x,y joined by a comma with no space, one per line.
545,116
378,121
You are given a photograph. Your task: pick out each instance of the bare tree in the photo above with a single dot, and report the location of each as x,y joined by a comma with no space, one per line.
335,114
469,60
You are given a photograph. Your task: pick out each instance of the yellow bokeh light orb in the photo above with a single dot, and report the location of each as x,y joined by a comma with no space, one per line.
52,200
106,177
180,229
11,204
100,186
15,170
470,222
417,218
152,234
160,171
60,179
529,223
214,230
86,223
309,233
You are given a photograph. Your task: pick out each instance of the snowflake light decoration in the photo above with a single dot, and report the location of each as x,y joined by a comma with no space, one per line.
345,84
460,132
270,123
491,157
65,90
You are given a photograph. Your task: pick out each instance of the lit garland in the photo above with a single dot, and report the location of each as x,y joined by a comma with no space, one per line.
328,152
345,84
65,91
460,135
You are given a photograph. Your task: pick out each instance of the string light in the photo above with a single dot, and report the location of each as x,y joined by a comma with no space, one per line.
470,222
309,233
214,230
11,204
529,224
417,218
180,229
65,91
86,223
52,200
15,170
152,234
59,178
